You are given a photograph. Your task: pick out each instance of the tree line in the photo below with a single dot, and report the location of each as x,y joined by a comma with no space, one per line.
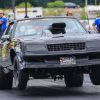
5,4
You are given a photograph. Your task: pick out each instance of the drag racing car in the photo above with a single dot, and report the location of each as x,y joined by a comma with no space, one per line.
48,48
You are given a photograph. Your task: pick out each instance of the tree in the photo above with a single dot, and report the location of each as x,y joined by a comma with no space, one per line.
59,3
39,3
50,5
22,5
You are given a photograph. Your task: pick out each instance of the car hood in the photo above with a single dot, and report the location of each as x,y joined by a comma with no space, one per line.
73,39
62,39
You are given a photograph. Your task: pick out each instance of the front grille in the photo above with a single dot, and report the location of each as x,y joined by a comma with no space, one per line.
66,46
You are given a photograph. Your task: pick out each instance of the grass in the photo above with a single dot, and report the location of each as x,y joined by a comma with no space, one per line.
58,11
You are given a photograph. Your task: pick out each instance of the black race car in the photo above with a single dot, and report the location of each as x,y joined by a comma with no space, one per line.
71,5
48,47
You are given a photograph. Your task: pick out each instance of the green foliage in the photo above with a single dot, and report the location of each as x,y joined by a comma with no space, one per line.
57,3
22,5
50,5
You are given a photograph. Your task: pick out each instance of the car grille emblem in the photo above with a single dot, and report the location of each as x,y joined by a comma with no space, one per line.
72,49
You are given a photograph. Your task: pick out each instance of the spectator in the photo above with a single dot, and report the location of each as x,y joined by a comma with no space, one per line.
97,24
3,22
69,13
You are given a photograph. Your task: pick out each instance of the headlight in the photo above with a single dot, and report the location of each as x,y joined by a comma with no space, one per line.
35,47
93,44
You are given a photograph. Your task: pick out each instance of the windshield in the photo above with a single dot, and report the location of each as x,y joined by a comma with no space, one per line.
34,27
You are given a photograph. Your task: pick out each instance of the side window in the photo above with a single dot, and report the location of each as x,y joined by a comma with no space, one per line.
9,30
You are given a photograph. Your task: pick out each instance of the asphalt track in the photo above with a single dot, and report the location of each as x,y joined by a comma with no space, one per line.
47,89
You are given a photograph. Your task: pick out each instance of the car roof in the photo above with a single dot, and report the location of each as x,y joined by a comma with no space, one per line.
46,17
69,3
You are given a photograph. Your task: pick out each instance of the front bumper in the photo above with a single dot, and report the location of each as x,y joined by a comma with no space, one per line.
53,59
56,64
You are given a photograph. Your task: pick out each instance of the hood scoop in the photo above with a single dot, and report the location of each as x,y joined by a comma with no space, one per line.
57,28
58,37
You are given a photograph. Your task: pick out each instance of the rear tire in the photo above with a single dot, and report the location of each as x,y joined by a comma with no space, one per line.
5,81
74,80
95,75
20,76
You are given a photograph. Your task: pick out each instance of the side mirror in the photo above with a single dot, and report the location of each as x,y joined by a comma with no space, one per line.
92,31
5,37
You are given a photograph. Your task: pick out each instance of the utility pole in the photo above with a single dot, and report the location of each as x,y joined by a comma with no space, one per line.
26,9
86,2
90,2
95,2
13,6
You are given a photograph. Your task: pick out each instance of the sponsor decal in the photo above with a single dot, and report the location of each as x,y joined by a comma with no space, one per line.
24,21
4,51
47,19
6,70
67,60
21,65
23,11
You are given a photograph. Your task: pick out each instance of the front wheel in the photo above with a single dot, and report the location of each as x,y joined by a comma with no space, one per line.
75,80
20,76
95,75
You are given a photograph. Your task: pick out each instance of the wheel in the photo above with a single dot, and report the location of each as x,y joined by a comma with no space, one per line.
5,81
20,76
74,80
95,75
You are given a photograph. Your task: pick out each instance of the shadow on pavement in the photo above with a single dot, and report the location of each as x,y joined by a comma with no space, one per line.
56,91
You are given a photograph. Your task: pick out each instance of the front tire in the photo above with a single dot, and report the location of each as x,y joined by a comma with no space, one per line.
5,81
74,80
20,76
95,75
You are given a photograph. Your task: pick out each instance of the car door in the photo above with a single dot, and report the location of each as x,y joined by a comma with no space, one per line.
6,46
